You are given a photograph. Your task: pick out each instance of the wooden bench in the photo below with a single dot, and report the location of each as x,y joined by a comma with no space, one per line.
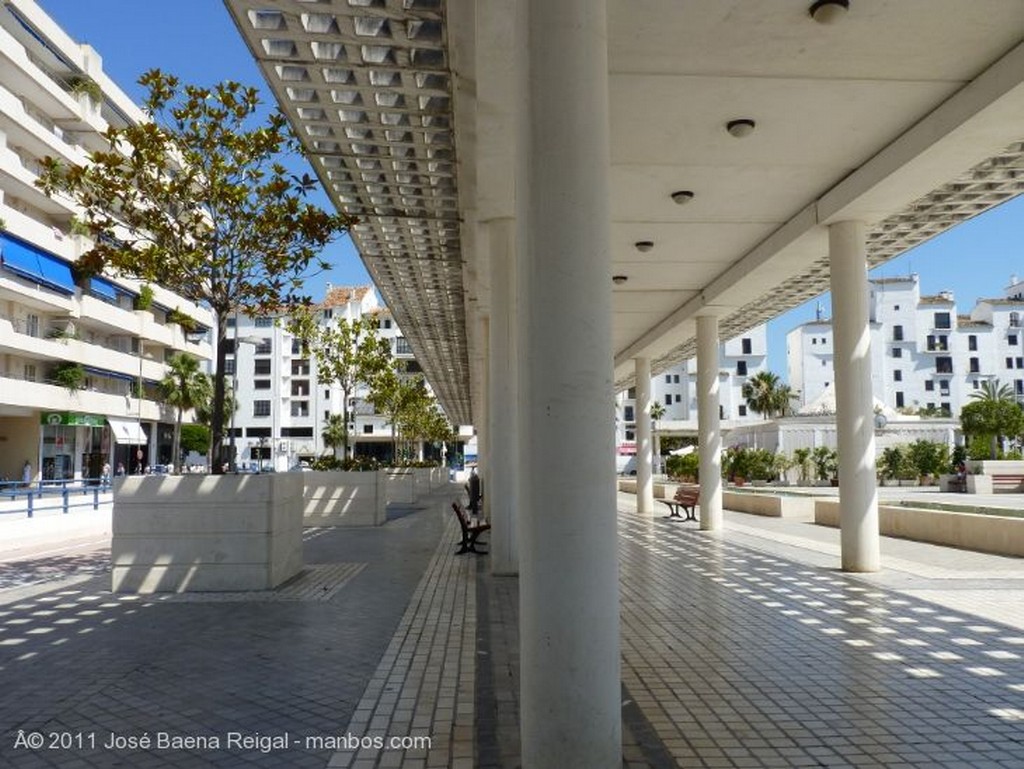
686,499
1007,484
470,531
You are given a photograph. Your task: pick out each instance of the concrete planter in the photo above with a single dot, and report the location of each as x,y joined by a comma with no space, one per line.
422,480
344,498
1002,535
401,485
979,484
195,533
772,505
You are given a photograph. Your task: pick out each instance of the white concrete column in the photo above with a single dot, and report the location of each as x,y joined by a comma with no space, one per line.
855,423
644,444
503,462
709,432
483,435
571,713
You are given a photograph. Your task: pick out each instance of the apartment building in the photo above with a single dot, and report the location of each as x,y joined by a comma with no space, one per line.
283,405
925,355
676,387
79,363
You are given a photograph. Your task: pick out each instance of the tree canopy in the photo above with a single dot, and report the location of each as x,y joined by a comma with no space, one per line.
197,200
765,394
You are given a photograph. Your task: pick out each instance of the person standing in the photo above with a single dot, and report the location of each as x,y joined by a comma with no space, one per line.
26,473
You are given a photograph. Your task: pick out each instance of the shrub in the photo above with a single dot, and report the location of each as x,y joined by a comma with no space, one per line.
686,467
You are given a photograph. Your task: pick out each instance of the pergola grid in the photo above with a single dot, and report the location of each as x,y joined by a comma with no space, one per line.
368,88
985,186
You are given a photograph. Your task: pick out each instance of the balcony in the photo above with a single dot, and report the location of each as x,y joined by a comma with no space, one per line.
29,131
41,396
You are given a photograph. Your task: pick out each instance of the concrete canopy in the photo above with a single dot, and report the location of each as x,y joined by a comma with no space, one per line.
905,114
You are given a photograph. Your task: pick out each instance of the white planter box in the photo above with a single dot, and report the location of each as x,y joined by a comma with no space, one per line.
344,499
1002,535
196,533
401,485
771,505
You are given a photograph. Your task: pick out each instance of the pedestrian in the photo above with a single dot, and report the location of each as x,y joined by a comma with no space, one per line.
105,475
26,473
120,469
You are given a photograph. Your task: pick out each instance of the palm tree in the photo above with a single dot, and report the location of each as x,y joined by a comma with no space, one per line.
335,432
765,394
994,390
657,412
184,387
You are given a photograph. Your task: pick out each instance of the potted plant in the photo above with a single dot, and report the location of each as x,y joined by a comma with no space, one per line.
69,375
144,300
83,85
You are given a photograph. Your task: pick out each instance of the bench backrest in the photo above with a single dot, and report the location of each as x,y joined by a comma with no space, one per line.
463,518
687,494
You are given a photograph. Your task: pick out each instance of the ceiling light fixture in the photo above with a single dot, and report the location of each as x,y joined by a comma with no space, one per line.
828,11
618,280
643,246
740,127
682,197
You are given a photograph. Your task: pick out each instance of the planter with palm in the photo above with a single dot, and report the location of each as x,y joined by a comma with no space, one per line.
657,413
184,387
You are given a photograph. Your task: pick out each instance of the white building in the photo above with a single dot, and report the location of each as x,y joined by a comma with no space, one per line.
925,356
676,388
56,330
283,407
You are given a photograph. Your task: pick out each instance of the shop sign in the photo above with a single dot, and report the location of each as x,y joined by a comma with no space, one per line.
69,418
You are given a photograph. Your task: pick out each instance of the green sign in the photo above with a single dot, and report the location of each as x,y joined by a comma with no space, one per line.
71,419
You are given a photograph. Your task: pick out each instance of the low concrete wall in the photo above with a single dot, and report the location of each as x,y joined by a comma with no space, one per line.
771,505
400,485
193,533
1001,535
628,486
344,499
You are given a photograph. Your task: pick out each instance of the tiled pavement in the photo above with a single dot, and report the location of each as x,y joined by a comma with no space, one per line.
745,650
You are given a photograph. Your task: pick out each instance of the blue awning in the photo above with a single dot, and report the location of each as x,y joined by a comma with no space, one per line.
111,374
31,262
103,288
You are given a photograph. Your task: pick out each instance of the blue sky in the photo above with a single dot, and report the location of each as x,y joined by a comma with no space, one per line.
197,41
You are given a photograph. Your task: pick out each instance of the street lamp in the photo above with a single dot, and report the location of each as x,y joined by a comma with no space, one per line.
253,340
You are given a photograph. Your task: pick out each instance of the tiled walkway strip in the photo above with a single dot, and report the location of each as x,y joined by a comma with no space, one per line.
424,684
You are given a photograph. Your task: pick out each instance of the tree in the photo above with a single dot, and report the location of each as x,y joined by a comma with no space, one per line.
184,387
196,200
993,390
397,397
802,460
335,432
195,438
657,412
992,419
348,353
765,394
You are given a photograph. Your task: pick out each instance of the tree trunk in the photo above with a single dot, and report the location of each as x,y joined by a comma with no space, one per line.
344,413
217,421
176,444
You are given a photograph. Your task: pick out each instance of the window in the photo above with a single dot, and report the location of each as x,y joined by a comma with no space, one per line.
300,388
945,408
300,408
743,410
261,384
327,415
897,352
824,363
942,320
1009,363
402,346
897,376
231,321
328,314
975,365
896,307
899,400
30,372
229,366
262,367
1015,319
721,412
668,400
631,393
897,333
930,405
387,323
261,408
1018,386
976,384
929,385
264,322
299,367
679,398
367,429
972,343
944,386
1020,362
628,415
668,379
296,432
814,340
265,347
675,378
746,346
1012,340
327,395
229,347
741,368
944,365
298,348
